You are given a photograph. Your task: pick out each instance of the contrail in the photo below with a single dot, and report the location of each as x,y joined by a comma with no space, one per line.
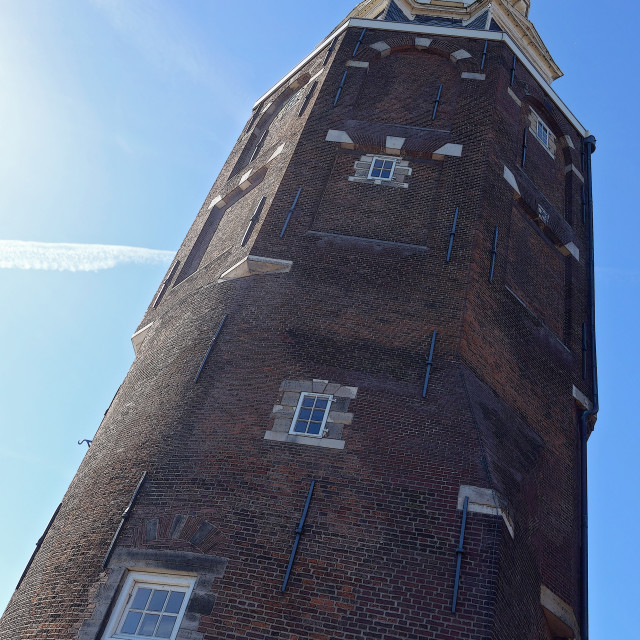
50,256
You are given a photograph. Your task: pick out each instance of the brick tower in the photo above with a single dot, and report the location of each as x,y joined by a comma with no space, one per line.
361,397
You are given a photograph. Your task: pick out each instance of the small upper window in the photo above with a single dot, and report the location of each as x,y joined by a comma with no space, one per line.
150,606
382,169
543,133
311,415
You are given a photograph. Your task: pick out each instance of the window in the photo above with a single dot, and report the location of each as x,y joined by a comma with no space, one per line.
382,169
150,606
311,415
543,133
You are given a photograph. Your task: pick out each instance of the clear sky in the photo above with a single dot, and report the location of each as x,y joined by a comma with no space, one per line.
115,117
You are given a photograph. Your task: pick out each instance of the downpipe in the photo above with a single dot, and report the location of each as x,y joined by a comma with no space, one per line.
588,146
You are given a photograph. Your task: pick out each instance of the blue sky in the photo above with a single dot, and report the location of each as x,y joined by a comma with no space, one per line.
116,116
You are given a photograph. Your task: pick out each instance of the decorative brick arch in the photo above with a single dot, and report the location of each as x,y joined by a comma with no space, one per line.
376,48
178,530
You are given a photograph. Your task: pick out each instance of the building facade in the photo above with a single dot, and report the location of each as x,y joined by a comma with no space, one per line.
361,397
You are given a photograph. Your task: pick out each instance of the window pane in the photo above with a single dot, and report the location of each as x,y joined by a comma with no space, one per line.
157,600
301,427
304,414
175,602
308,401
148,625
318,416
322,403
141,599
388,164
378,164
386,174
131,622
314,428
165,627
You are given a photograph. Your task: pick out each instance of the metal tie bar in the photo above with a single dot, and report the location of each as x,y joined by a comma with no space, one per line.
459,553
494,252
308,98
435,106
38,545
584,350
252,223
429,364
85,440
293,206
344,77
513,70
452,235
524,147
359,43
332,46
299,532
125,517
206,357
484,54
254,155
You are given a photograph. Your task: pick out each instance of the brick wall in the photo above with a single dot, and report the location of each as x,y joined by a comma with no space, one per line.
368,286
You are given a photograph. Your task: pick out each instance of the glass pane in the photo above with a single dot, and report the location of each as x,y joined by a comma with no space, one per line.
386,174
375,173
322,403
318,416
148,625
308,401
304,414
131,622
378,164
314,428
141,599
388,164
301,427
157,601
166,626
175,602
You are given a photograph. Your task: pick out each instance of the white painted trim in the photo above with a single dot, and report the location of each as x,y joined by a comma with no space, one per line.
177,582
473,34
323,45
383,159
303,395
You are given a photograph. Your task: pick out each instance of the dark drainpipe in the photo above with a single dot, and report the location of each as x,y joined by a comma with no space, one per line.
589,146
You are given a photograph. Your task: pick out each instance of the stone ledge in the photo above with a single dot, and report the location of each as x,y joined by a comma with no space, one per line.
255,265
582,399
560,616
486,501
139,336
306,440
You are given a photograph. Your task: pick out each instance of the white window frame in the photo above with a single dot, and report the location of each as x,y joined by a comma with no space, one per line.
383,159
154,581
543,133
322,432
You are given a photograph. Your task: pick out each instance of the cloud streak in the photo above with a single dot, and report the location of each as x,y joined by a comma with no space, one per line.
49,256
